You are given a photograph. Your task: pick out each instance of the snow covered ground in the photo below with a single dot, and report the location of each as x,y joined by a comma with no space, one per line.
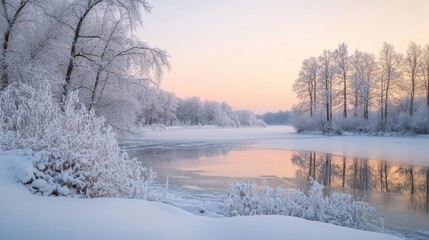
411,150
27,216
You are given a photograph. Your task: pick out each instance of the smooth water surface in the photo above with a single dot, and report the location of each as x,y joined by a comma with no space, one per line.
399,191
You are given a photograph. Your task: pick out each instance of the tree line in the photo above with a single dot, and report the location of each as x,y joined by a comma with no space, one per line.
364,92
164,108
275,118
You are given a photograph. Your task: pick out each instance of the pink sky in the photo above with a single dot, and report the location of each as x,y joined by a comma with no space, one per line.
249,52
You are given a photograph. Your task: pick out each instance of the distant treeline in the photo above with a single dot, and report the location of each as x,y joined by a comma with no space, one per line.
275,118
364,92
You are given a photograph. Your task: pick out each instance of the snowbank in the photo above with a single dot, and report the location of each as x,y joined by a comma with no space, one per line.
27,216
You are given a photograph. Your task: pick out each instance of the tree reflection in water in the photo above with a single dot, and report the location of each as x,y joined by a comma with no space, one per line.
364,174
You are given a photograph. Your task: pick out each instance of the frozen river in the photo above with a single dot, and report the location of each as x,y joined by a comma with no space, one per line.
391,173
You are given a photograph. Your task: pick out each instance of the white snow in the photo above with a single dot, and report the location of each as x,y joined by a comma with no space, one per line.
27,216
397,149
41,184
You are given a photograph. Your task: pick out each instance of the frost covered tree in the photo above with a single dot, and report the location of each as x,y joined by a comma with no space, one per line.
193,111
275,118
386,92
189,110
119,56
306,84
326,80
411,68
390,63
342,62
425,72
80,17
168,102
12,14
364,67
157,107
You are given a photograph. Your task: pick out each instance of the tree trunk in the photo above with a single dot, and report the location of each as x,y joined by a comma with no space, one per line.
382,109
6,40
315,97
413,89
327,101
356,103
385,104
94,89
311,162
310,90
330,100
427,87
72,56
4,64
345,95
344,171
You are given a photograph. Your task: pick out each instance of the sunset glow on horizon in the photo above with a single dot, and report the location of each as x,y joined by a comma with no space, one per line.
249,53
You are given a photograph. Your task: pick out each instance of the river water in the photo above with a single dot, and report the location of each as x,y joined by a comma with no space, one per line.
399,191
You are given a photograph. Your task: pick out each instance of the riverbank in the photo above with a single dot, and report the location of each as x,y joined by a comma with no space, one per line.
24,216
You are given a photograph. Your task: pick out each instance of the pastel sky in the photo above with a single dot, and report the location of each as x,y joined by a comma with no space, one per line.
249,52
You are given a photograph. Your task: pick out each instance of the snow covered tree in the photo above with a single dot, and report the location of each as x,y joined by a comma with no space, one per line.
411,68
390,63
392,85
327,72
425,72
168,103
189,111
342,62
77,16
12,14
306,84
363,76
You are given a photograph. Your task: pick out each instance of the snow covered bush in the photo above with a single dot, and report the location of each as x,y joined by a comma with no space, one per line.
302,121
76,153
242,200
336,208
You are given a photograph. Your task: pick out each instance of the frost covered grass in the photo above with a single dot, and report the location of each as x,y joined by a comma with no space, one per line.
336,208
75,151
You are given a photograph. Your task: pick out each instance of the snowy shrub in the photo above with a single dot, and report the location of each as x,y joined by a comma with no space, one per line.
352,124
302,121
76,153
241,200
337,208
420,121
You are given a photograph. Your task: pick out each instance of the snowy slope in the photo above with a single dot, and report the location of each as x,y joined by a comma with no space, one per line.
27,216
